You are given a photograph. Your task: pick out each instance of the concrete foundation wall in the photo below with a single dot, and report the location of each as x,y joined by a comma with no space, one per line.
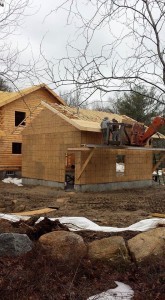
104,187
91,187
33,181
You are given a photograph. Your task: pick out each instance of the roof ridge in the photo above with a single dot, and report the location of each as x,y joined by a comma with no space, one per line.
12,96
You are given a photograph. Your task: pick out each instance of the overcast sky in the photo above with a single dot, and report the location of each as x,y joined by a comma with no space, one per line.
35,27
44,23
52,29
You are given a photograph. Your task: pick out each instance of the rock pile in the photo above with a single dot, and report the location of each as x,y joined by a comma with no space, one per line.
69,248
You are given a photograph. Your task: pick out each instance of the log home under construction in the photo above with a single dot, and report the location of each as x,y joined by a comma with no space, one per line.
17,110
65,145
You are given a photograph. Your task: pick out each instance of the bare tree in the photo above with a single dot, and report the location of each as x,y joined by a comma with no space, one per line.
12,14
132,55
73,99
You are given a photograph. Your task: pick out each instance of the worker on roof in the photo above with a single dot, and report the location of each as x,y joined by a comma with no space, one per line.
115,131
106,129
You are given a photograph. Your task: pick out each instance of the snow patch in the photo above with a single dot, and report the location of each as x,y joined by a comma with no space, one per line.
121,292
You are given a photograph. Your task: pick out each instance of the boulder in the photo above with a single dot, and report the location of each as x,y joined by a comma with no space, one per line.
148,243
108,249
66,248
14,244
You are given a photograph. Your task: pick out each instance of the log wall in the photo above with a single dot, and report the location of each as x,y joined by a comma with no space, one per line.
25,104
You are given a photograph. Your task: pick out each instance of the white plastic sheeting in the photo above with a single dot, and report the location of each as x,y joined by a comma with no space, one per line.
121,292
13,218
82,223
13,180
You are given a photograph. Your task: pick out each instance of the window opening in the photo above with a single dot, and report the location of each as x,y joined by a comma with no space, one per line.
19,117
16,148
10,173
120,165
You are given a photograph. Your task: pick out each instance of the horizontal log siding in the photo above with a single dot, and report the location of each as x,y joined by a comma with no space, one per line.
26,104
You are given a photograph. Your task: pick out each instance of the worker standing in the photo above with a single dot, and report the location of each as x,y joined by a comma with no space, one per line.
105,128
115,131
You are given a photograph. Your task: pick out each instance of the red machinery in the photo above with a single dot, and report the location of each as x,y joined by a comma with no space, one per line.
139,136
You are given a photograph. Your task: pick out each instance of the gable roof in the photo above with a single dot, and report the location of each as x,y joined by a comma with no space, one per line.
86,119
82,119
8,97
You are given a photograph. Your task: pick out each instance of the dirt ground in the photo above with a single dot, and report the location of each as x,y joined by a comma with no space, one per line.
35,276
115,208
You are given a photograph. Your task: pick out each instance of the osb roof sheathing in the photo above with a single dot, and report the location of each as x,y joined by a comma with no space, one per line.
8,97
82,119
86,119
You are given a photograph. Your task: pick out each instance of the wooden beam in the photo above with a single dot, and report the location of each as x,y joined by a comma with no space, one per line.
10,168
125,147
79,149
158,163
34,212
157,215
86,162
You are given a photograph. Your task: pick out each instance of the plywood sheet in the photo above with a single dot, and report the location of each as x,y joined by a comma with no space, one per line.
35,212
157,215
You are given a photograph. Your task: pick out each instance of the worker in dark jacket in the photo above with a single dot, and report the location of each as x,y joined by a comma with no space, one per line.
105,128
115,131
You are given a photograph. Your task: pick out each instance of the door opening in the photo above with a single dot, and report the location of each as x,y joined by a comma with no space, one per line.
69,171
